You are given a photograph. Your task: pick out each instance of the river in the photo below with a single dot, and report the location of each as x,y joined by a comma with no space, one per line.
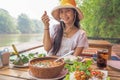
8,39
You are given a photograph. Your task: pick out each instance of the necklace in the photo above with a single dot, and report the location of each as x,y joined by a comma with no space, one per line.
66,33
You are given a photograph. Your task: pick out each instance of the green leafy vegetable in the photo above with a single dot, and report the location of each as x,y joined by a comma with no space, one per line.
67,77
25,59
31,55
79,66
22,58
41,55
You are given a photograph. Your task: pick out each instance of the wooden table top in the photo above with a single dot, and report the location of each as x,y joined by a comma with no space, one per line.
12,73
99,42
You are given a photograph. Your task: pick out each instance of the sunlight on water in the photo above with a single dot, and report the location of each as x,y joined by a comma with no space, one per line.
8,39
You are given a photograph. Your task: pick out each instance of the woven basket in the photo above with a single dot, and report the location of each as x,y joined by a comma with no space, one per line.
45,73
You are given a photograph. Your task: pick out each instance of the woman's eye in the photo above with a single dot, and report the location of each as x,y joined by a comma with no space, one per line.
61,11
68,10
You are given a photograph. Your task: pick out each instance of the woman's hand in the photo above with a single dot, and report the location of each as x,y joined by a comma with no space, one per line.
45,19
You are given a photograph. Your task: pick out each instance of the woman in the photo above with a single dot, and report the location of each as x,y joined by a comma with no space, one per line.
67,35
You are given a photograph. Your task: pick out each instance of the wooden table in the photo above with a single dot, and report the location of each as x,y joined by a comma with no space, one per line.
12,73
101,44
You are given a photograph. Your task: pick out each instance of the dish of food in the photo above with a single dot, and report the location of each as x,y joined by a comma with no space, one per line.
95,75
71,59
84,71
61,75
22,60
47,64
46,67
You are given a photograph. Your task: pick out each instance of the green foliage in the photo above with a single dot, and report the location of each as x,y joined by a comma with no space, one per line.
101,17
9,25
38,26
24,24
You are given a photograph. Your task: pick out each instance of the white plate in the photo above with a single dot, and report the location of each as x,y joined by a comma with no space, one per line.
104,77
61,75
20,66
70,59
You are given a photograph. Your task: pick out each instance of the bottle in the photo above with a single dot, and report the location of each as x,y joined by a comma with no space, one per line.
1,64
5,57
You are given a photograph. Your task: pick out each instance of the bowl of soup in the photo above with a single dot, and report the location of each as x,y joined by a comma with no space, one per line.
46,67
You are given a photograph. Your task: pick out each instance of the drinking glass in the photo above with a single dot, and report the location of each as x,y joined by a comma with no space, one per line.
102,57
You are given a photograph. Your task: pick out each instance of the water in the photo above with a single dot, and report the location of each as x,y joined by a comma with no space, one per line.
8,39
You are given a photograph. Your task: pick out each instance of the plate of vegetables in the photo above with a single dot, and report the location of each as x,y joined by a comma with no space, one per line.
21,60
83,71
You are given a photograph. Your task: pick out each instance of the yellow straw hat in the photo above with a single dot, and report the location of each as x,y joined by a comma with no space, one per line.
66,4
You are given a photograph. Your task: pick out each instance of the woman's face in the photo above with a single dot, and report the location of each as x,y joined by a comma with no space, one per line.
67,15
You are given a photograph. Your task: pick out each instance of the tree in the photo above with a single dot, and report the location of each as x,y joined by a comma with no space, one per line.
25,24
7,23
101,17
38,26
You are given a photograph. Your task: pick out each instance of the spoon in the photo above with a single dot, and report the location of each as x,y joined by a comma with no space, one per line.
64,55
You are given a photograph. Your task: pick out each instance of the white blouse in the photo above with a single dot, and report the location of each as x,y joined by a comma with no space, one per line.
79,39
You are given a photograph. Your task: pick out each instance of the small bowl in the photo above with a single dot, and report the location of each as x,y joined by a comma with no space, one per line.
70,59
45,72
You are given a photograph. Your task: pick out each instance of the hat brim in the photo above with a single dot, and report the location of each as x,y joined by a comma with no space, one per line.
55,12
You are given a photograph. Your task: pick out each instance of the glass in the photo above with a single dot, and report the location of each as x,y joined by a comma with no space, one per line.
102,57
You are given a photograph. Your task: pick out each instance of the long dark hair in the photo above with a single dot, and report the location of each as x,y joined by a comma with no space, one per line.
59,35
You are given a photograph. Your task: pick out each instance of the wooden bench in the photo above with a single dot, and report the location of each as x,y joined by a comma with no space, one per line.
101,44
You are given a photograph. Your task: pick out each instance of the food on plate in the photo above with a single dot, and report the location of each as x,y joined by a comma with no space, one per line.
97,74
81,75
47,63
22,59
83,71
36,55
45,67
70,59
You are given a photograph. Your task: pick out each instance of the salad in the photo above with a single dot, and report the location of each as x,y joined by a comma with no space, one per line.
83,71
22,59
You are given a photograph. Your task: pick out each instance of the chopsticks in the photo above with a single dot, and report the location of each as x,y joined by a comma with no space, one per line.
15,50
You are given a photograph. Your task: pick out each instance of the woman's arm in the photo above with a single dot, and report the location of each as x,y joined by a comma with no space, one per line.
82,43
78,51
46,38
